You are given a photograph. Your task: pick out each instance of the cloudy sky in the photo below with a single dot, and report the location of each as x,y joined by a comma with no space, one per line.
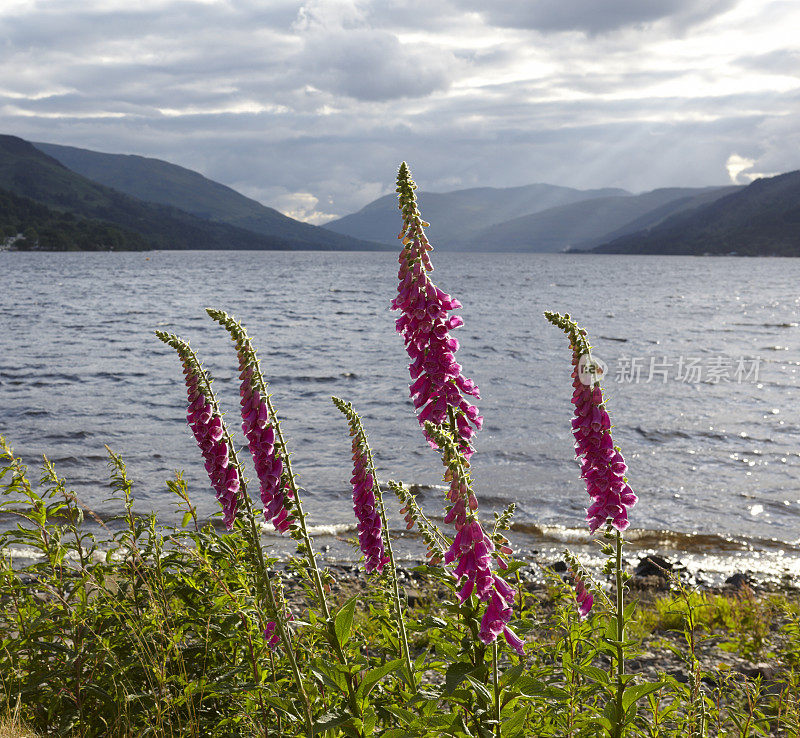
310,106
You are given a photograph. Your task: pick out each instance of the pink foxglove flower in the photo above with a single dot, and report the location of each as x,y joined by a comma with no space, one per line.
439,387
583,597
464,501
602,466
209,431
471,551
370,537
277,490
276,494
367,499
209,434
271,634
440,392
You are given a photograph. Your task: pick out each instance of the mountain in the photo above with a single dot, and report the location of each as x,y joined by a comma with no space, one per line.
26,224
456,217
30,173
156,181
589,222
762,219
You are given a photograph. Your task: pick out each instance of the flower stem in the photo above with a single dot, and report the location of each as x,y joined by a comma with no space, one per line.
620,617
496,682
269,593
280,620
401,626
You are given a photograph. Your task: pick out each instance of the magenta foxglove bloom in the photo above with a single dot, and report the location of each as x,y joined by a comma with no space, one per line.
472,552
209,434
276,494
271,634
603,467
370,537
464,503
439,387
583,597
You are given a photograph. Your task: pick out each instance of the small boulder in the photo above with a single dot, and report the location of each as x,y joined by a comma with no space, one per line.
738,581
654,566
764,671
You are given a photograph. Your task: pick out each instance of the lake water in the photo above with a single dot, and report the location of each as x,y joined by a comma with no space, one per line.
702,356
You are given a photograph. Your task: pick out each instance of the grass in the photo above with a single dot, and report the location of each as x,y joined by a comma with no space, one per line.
12,726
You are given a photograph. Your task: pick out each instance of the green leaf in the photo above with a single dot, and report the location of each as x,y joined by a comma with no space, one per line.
456,673
514,566
330,680
480,689
595,674
610,711
329,721
372,677
276,702
515,723
343,622
531,687
404,716
635,693
511,676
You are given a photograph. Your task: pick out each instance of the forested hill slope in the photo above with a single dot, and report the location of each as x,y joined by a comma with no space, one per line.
762,219
157,181
28,172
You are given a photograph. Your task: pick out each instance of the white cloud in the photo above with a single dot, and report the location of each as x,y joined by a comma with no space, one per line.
738,170
738,165
302,206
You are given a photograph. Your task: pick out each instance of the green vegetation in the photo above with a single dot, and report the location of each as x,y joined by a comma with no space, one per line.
46,229
154,630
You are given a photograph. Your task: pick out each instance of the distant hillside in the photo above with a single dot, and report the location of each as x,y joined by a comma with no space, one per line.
26,224
457,217
153,180
28,172
589,222
762,219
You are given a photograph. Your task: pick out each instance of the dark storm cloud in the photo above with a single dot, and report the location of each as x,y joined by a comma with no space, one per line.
373,65
593,16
